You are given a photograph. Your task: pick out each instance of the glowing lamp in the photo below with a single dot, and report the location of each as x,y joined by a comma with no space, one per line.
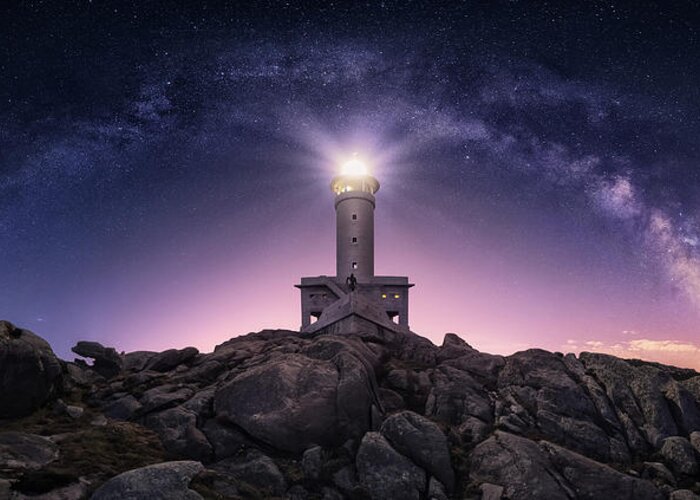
354,167
354,177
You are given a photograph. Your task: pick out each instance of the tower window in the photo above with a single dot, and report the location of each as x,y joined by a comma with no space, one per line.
354,239
396,295
354,265
354,216
384,296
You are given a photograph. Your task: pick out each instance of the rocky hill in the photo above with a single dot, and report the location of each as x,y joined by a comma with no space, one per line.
279,414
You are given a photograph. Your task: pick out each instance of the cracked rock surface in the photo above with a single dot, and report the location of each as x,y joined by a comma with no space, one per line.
346,416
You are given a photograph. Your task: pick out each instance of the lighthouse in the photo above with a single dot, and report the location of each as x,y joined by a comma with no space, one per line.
355,299
354,191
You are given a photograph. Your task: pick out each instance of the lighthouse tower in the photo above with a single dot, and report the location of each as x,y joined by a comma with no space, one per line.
354,223
354,299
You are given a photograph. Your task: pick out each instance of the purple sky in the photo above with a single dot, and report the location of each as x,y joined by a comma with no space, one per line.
164,173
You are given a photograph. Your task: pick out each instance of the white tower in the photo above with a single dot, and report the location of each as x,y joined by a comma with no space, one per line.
354,225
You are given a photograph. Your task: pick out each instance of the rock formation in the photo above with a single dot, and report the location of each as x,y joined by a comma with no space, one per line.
29,371
284,415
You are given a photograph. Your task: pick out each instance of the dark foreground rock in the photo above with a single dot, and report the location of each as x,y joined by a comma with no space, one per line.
276,414
29,371
166,481
106,361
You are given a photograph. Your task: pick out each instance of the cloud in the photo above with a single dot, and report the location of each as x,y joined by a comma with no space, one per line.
662,346
668,351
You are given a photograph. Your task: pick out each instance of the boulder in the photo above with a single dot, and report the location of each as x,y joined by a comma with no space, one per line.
695,440
80,374
683,495
293,402
456,353
345,479
684,407
21,451
137,360
658,473
413,386
217,484
638,394
679,454
170,359
30,373
257,470
423,442
123,408
526,469
436,490
226,439
311,462
391,400
491,491
543,392
473,431
518,465
455,396
453,346
177,429
107,362
590,479
201,403
385,473
61,408
164,481
164,396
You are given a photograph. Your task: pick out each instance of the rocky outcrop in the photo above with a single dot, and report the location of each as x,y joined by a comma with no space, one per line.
527,469
316,397
106,361
257,470
166,481
171,359
680,456
385,473
356,415
423,442
30,373
22,451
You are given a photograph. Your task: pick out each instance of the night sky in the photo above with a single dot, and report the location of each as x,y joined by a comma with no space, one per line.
164,170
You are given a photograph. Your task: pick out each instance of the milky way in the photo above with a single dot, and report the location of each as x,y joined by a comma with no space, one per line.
164,171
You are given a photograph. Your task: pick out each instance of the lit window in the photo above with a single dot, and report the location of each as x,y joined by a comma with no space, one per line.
396,295
354,239
384,296
354,265
354,216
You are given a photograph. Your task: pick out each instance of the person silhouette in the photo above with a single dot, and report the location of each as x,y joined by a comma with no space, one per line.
351,281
